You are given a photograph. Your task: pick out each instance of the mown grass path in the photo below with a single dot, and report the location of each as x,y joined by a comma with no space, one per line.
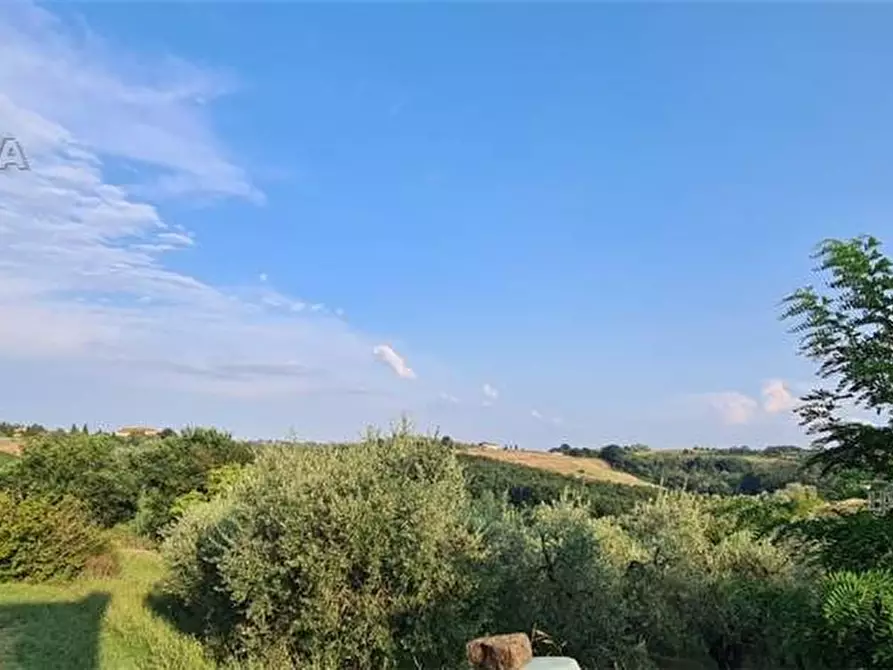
93,624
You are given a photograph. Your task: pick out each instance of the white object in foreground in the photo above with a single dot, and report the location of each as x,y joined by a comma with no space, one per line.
551,663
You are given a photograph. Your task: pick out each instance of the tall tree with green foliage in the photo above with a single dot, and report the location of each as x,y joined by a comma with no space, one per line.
846,327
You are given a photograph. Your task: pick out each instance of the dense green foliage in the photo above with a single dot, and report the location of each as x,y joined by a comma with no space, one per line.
852,542
766,514
858,610
41,539
525,486
90,468
848,331
389,535
121,480
334,558
171,467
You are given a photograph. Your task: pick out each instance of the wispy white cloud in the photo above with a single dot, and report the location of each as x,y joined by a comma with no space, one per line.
490,395
539,416
84,270
397,363
777,397
74,86
449,398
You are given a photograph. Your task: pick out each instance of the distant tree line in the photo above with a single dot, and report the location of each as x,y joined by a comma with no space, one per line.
725,471
12,429
9,429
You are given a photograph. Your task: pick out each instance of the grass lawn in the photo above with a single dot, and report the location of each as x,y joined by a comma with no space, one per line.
93,624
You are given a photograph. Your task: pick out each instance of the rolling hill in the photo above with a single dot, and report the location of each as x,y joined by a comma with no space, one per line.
588,469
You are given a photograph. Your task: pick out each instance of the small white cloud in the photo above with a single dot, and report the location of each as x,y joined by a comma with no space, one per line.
387,354
733,407
446,397
262,276
777,397
555,420
490,392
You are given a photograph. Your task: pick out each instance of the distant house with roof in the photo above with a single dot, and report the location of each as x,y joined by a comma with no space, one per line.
137,431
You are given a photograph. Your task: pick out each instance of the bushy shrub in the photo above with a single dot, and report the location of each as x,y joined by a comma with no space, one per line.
220,481
705,593
153,512
552,571
849,542
42,539
177,465
665,582
768,513
356,557
87,467
121,480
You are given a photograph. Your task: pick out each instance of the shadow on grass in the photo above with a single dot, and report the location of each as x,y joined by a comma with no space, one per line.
57,635
171,610
213,626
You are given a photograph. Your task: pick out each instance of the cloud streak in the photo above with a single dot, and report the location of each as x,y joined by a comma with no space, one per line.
155,116
395,361
85,275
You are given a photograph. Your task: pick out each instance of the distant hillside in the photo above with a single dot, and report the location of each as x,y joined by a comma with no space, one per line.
720,471
9,447
587,469
526,485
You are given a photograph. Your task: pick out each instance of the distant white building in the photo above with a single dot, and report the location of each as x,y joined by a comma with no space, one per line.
489,445
136,431
880,498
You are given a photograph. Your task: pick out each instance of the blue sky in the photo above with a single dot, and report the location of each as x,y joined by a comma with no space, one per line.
523,222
